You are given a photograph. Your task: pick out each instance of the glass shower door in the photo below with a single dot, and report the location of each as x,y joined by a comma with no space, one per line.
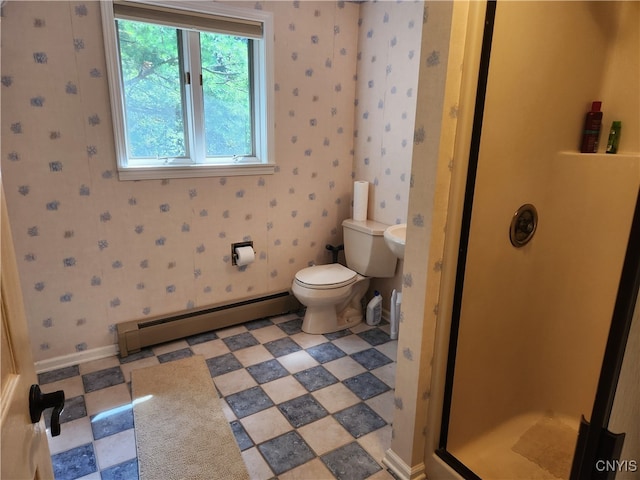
531,320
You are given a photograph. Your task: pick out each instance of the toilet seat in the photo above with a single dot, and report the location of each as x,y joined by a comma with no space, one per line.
325,277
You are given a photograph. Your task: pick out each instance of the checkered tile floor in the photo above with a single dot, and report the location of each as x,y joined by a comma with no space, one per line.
301,406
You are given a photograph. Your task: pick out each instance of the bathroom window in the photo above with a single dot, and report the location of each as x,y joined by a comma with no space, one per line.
191,88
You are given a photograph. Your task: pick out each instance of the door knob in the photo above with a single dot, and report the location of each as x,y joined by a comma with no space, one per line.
39,402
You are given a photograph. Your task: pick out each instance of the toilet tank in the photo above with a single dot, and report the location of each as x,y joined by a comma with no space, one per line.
365,249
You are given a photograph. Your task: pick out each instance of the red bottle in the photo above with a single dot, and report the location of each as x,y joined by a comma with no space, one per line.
591,131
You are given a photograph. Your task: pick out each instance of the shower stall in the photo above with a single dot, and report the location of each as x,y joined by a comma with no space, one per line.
543,234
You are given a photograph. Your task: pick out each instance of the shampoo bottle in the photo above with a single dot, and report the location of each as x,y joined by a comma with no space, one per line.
591,131
614,137
374,309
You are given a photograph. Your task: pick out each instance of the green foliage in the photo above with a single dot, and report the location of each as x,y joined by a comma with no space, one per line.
226,84
152,74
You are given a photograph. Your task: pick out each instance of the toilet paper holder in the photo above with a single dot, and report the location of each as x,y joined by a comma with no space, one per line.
234,255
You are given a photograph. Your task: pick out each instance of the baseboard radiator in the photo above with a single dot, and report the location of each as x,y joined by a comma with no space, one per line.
137,334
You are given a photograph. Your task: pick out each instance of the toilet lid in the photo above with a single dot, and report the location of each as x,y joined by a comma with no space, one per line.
333,275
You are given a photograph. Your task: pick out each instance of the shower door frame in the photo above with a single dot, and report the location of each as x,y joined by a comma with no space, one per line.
469,189
594,440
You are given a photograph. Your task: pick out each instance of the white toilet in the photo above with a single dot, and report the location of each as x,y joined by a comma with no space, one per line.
333,293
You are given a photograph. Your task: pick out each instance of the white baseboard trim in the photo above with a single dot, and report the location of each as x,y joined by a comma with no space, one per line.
98,353
75,358
401,469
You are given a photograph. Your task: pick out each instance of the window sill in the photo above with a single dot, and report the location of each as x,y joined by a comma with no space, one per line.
160,173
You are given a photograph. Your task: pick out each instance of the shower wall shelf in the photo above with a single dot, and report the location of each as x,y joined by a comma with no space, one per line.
604,156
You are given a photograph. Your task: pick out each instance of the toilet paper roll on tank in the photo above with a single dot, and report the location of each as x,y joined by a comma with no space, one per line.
360,200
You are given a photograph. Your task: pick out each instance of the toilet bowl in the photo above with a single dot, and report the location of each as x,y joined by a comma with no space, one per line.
333,293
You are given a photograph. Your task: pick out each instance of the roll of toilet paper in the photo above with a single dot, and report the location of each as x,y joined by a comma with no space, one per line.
360,199
244,256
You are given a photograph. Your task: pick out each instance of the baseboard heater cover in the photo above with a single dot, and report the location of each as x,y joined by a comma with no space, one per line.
137,334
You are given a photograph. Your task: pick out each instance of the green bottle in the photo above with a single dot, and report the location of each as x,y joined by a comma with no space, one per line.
614,137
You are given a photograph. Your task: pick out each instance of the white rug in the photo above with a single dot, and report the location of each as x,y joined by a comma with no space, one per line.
181,431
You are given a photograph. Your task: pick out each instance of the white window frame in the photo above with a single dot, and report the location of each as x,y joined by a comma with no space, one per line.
263,107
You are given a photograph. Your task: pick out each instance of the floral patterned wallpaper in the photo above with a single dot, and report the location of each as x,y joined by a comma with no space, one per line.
94,251
441,67
388,59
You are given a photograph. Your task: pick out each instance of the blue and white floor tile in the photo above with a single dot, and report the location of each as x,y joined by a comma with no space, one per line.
300,405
